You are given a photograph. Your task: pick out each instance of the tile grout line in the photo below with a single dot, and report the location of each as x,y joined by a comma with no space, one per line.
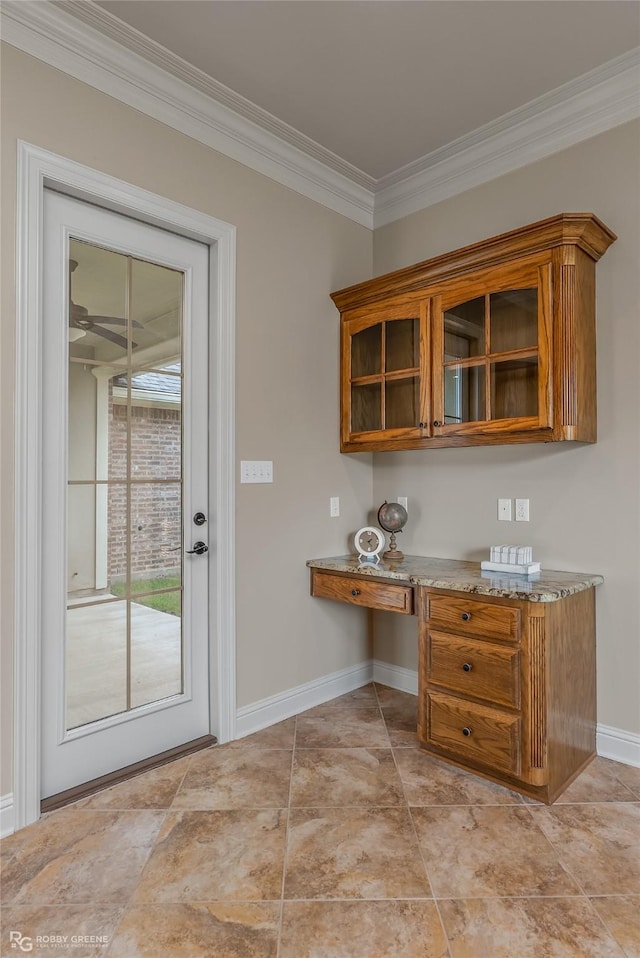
286,840
422,858
128,903
415,834
551,845
623,951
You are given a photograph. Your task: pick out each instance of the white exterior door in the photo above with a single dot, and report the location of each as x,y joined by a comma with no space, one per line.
125,642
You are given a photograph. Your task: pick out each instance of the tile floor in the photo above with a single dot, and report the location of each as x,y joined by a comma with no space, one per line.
331,835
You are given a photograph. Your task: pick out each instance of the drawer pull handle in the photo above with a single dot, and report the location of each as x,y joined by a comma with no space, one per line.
467,667
465,616
466,731
355,592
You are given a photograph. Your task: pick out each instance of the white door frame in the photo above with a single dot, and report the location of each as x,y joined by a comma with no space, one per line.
38,169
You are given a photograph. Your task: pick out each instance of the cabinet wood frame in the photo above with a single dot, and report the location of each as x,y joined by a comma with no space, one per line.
558,257
537,713
553,712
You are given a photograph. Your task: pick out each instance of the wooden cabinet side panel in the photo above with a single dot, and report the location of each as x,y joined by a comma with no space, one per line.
545,346
571,685
585,353
345,386
534,706
575,345
423,676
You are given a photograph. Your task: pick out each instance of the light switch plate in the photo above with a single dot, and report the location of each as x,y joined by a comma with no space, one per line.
504,510
256,470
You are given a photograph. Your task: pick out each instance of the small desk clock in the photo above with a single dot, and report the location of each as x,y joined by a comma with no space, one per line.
369,542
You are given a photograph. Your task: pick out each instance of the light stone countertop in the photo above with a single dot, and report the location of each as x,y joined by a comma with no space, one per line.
544,586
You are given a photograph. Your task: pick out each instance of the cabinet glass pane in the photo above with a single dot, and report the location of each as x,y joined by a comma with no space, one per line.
514,319
464,394
402,402
366,352
365,407
514,388
402,344
464,330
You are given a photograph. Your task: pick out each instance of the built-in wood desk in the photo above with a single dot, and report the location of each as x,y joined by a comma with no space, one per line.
506,665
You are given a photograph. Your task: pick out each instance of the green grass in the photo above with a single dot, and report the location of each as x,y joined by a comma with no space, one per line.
165,602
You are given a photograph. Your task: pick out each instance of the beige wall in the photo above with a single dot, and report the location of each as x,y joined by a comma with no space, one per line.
291,253
585,500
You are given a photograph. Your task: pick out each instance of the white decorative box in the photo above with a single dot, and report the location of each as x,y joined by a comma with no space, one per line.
516,555
517,568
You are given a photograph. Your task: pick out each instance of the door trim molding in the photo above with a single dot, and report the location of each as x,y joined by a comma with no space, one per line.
37,169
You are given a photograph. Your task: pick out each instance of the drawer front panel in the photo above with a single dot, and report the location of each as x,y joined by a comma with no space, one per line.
474,731
359,590
480,669
470,615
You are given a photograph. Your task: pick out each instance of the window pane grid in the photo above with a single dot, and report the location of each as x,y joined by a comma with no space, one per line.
126,472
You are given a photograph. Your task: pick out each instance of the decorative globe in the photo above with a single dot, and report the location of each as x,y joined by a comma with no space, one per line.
392,516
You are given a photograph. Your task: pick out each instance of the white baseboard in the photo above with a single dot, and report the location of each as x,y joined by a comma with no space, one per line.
396,677
259,715
7,826
618,745
613,743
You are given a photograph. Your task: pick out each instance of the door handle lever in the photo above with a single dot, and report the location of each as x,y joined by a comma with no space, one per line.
199,548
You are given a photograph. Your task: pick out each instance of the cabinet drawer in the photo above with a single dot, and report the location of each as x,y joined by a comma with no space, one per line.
470,615
359,590
474,731
480,669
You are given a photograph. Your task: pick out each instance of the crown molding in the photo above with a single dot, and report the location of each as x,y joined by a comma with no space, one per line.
593,103
91,45
148,78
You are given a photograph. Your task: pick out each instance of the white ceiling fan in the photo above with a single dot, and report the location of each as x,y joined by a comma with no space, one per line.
81,322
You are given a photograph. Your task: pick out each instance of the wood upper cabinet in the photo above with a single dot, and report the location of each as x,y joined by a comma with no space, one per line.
493,343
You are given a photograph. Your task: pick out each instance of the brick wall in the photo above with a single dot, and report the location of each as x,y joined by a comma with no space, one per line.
156,534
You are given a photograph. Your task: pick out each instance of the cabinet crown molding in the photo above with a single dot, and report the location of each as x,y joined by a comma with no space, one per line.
583,230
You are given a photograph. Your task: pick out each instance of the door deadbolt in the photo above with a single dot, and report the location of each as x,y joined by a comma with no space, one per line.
199,518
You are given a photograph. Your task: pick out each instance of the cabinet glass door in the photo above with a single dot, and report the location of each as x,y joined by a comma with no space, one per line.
489,363
385,375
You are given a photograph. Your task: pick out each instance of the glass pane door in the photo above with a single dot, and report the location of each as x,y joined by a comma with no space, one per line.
124,641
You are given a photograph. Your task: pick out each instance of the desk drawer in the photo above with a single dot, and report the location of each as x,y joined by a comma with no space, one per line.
480,669
359,590
472,615
474,731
